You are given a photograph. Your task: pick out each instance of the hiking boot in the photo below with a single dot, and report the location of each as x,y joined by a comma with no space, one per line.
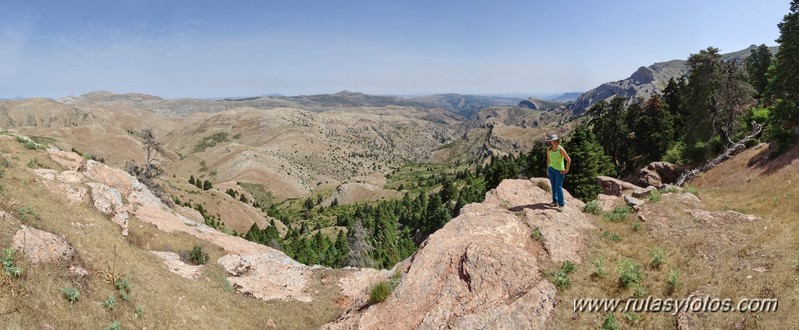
554,204
560,208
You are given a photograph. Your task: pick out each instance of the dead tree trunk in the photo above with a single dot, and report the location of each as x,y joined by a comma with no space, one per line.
732,150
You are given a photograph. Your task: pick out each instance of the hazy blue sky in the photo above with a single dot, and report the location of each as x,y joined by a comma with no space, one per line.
238,48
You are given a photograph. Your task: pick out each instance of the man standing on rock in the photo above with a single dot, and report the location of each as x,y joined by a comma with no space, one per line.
556,171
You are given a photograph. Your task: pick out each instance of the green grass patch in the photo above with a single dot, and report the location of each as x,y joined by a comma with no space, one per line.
592,207
673,281
537,235
618,214
654,196
379,292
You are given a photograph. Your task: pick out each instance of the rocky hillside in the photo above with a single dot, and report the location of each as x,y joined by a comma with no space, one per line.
644,82
510,261
484,268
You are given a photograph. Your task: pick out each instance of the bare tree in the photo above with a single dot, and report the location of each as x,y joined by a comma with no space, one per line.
147,173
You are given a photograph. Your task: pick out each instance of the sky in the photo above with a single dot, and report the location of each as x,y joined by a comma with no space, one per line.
201,49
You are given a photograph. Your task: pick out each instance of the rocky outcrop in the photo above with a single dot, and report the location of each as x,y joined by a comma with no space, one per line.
529,103
252,268
644,82
658,173
40,246
109,201
607,203
616,187
177,266
482,269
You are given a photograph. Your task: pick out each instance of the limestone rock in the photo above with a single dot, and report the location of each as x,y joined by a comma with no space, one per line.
40,246
267,276
109,201
77,271
69,160
177,266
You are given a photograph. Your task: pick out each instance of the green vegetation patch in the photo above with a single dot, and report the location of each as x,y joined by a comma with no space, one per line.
210,141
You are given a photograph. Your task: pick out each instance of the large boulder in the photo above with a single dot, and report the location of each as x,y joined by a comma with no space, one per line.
481,270
657,173
615,187
40,246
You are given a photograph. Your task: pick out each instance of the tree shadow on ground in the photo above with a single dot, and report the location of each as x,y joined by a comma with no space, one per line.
768,166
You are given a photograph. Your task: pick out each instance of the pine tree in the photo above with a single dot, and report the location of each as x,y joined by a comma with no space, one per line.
207,185
609,126
757,65
588,162
673,95
191,179
783,88
653,130
703,82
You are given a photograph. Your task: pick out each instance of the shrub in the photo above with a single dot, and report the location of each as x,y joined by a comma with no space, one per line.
592,207
122,284
109,303
198,256
636,226
674,154
561,280
618,214
537,235
692,190
114,326
568,267
138,312
610,323
599,268
27,143
71,294
674,280
654,196
639,291
631,317
629,273
9,267
657,257
379,292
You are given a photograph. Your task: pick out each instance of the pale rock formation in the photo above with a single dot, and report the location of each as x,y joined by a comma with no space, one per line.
40,246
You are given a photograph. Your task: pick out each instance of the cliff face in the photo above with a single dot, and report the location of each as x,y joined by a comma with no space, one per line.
642,83
482,270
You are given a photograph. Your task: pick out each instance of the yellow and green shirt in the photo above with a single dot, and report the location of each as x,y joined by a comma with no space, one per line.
556,159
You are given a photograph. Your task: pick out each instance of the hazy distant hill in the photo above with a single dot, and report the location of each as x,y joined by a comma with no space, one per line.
645,81
565,97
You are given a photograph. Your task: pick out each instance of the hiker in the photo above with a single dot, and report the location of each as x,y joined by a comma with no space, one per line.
556,171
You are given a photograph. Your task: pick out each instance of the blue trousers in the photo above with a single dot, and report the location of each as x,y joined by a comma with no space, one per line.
556,180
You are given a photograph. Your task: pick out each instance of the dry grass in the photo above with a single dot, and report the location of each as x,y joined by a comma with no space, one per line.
166,300
716,259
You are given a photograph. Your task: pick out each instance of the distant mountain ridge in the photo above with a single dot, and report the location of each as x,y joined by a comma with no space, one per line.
645,81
